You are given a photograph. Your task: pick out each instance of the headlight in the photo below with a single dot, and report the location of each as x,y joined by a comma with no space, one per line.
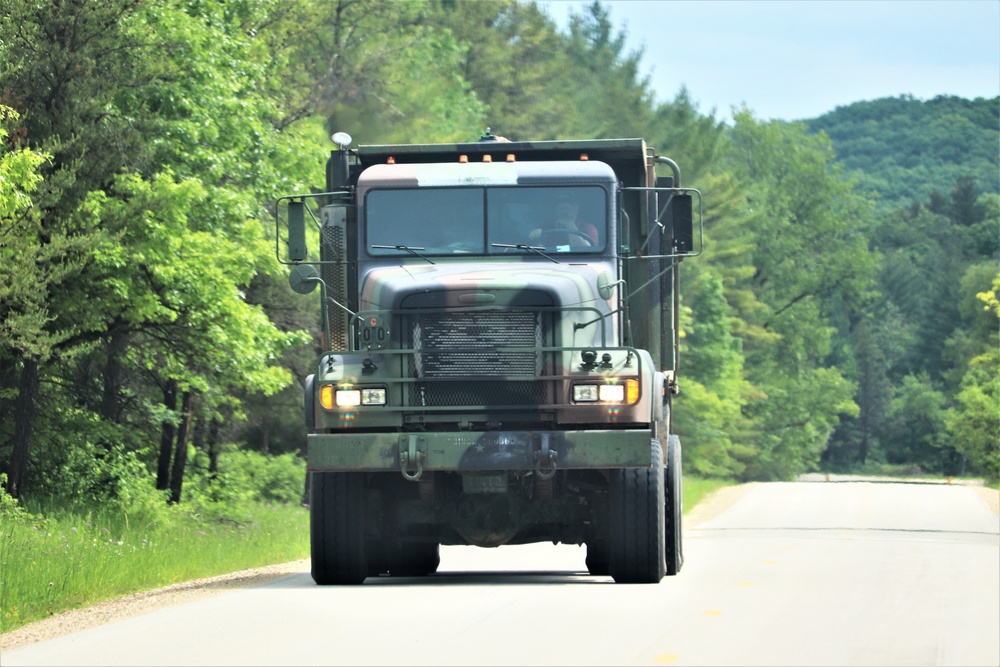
611,393
373,396
627,393
348,398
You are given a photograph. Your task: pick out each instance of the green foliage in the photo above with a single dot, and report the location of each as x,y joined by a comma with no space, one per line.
378,69
27,265
143,253
975,420
708,414
926,323
247,477
915,426
19,175
514,62
93,475
857,438
12,512
803,251
609,98
975,424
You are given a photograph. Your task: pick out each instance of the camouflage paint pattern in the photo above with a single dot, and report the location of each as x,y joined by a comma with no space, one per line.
569,312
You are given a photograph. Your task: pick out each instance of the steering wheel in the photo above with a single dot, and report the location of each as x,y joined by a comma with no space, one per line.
573,232
460,246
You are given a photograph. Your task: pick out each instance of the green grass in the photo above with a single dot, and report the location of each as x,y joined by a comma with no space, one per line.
70,560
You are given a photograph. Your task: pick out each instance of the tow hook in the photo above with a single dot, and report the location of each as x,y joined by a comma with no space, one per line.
545,456
413,456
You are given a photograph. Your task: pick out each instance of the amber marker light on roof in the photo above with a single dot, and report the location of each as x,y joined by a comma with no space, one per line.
391,160
487,158
463,158
510,157
584,157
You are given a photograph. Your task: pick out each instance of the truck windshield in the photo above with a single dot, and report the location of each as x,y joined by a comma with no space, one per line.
490,220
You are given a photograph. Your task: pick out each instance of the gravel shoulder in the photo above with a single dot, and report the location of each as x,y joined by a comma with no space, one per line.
716,503
992,498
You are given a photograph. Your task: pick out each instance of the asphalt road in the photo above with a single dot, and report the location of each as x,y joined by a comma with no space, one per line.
822,573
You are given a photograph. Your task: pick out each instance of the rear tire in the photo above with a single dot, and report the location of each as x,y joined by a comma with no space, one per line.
598,558
337,528
414,559
674,510
637,523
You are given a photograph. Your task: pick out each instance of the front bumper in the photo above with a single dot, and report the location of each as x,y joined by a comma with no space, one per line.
479,451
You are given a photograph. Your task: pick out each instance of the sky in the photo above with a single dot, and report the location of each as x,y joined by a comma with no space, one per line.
799,59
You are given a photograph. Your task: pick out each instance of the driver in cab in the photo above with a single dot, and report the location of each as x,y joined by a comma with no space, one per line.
566,226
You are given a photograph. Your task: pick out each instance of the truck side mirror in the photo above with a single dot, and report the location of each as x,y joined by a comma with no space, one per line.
303,279
296,230
681,220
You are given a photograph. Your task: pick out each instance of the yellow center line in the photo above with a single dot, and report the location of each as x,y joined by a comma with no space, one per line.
666,658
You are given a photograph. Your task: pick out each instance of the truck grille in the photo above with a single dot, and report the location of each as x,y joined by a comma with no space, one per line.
467,345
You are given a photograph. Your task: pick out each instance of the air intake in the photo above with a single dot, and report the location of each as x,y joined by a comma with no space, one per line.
464,344
334,273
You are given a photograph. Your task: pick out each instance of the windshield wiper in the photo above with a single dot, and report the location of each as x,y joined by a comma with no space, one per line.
412,251
522,246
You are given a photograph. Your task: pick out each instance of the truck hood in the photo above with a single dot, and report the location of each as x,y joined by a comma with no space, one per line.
463,285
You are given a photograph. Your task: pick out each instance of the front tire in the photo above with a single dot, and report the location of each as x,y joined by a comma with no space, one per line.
337,528
674,510
637,522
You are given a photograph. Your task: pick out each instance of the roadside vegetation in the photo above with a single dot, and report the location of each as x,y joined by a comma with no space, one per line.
57,555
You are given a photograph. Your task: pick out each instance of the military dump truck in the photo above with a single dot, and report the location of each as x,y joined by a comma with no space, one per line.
500,338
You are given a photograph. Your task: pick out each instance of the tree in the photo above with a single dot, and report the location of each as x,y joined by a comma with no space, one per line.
915,431
61,68
803,227
707,414
23,285
609,98
860,436
376,69
975,420
166,231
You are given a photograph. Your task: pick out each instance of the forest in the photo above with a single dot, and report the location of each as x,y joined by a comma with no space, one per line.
843,316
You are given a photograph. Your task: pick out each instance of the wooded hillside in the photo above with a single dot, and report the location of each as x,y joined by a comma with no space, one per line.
147,332
907,149
924,386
